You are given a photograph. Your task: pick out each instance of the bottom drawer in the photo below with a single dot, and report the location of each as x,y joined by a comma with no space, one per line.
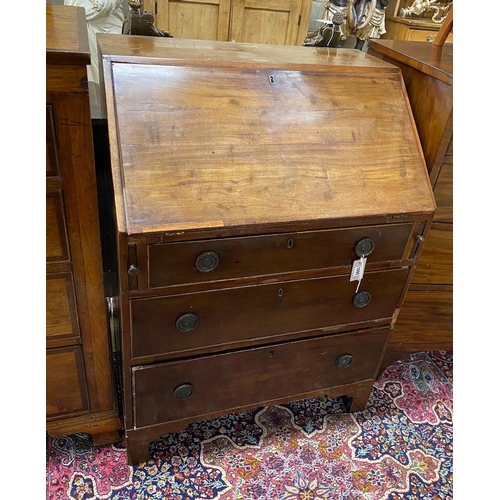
224,382
66,391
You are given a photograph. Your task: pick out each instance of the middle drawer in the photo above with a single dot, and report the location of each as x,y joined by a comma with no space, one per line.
189,322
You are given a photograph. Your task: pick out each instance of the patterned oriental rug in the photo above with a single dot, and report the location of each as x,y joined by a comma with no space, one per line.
400,447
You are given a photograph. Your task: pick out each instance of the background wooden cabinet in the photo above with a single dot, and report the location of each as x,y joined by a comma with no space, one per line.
411,28
80,393
425,321
280,22
415,28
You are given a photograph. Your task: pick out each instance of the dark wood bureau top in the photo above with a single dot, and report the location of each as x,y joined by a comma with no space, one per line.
198,141
423,56
66,37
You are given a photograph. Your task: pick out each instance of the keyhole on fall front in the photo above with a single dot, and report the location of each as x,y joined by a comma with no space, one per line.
271,79
271,354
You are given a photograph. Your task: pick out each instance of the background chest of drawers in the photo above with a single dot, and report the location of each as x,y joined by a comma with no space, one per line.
79,385
412,29
247,180
426,319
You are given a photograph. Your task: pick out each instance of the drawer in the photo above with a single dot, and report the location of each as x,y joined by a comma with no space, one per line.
56,242
425,322
197,387
65,378
60,313
416,35
177,323
435,265
220,259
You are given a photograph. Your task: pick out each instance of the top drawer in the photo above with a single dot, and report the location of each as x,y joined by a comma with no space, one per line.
220,259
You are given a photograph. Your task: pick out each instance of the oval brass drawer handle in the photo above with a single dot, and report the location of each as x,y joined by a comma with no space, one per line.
364,247
206,262
361,299
183,391
343,361
186,322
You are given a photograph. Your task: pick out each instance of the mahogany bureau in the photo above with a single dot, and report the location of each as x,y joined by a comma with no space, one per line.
248,181
80,390
426,318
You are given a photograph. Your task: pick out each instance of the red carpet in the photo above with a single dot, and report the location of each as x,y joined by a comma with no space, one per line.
400,447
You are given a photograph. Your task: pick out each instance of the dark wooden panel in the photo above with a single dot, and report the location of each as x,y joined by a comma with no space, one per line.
51,166
435,265
65,379
61,316
228,381
425,322
56,244
174,263
253,312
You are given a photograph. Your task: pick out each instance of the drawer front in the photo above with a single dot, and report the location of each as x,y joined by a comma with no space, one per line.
435,265
56,242
425,322
60,313
178,323
426,36
65,378
193,388
212,260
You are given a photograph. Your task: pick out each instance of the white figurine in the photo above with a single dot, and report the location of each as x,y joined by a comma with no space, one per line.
103,16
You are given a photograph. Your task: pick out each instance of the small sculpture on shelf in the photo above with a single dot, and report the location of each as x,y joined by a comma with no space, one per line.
141,22
420,7
363,19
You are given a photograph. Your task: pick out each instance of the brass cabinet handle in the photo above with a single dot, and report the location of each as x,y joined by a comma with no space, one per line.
364,247
133,270
206,262
186,322
361,299
183,391
342,362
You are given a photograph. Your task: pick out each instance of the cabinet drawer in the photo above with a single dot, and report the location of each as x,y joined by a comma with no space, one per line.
417,35
66,391
60,313
167,325
212,260
435,265
196,387
56,242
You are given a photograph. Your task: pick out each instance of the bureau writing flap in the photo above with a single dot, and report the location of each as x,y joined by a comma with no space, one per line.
200,141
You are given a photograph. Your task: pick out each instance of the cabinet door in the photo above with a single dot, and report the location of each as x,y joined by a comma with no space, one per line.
193,19
265,21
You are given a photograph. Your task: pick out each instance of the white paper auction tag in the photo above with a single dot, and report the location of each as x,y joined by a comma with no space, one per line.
358,269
